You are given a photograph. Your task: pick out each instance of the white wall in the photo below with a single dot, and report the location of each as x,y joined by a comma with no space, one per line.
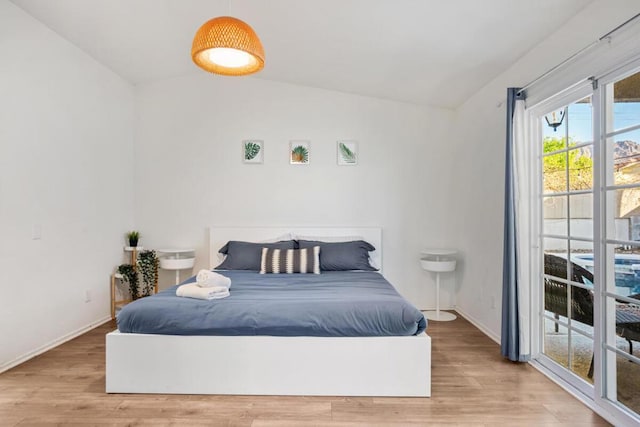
189,172
66,164
478,176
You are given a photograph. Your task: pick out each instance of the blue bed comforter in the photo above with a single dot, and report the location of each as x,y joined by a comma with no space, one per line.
331,304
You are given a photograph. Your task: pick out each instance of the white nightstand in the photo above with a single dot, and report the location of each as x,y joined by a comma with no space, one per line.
438,261
177,259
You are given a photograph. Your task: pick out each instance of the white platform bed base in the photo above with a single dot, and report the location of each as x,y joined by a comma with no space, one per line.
267,365
260,365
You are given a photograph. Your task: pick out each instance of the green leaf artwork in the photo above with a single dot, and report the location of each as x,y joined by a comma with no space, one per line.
346,154
300,154
251,150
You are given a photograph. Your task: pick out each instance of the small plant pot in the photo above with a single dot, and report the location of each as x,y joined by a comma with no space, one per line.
133,242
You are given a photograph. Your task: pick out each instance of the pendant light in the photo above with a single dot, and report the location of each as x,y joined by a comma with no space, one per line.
227,46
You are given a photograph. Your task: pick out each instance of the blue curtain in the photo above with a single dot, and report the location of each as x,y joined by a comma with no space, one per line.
510,338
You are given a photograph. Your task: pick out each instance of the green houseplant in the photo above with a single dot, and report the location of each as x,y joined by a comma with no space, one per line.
133,237
148,266
130,276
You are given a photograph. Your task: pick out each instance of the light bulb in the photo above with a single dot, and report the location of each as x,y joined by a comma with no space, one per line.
228,57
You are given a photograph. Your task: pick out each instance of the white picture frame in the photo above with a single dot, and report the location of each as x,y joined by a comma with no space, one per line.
347,153
253,151
299,152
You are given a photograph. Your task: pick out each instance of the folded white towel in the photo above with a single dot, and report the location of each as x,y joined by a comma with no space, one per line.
192,290
207,279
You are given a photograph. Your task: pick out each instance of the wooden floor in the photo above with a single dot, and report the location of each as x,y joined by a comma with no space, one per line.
472,385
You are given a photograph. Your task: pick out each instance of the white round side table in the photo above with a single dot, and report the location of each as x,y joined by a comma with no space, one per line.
438,261
177,259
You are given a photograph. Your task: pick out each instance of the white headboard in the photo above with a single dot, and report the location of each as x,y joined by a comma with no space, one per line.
219,236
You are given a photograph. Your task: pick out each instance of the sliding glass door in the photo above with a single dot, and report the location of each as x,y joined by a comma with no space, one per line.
621,252
567,237
588,182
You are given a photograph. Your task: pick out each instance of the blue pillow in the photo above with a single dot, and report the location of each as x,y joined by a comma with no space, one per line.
342,256
247,255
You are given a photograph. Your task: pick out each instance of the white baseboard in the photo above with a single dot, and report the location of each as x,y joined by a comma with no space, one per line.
68,337
475,322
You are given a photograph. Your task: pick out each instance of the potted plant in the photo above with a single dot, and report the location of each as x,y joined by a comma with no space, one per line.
133,237
148,265
130,276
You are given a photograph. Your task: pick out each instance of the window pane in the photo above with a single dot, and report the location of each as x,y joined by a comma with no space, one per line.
559,296
624,214
555,215
581,350
555,291
627,377
582,255
581,168
554,171
554,246
628,318
554,139
581,213
556,342
625,279
581,300
580,121
626,108
623,152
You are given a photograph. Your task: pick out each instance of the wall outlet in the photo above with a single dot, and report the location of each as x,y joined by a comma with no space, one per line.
87,296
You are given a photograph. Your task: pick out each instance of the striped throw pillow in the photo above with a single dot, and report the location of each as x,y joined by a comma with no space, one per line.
290,260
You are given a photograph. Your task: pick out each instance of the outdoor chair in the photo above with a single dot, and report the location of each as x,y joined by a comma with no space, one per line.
555,301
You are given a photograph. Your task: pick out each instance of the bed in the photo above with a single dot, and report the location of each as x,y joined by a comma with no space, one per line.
285,361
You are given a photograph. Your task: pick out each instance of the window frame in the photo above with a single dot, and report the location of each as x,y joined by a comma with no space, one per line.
535,115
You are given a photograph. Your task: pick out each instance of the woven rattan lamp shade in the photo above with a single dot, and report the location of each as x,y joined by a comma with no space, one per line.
227,35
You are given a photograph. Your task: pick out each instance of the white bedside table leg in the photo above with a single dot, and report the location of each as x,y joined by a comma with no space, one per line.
437,295
438,315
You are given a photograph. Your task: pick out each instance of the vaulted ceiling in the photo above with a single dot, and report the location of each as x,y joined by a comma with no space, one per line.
429,52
